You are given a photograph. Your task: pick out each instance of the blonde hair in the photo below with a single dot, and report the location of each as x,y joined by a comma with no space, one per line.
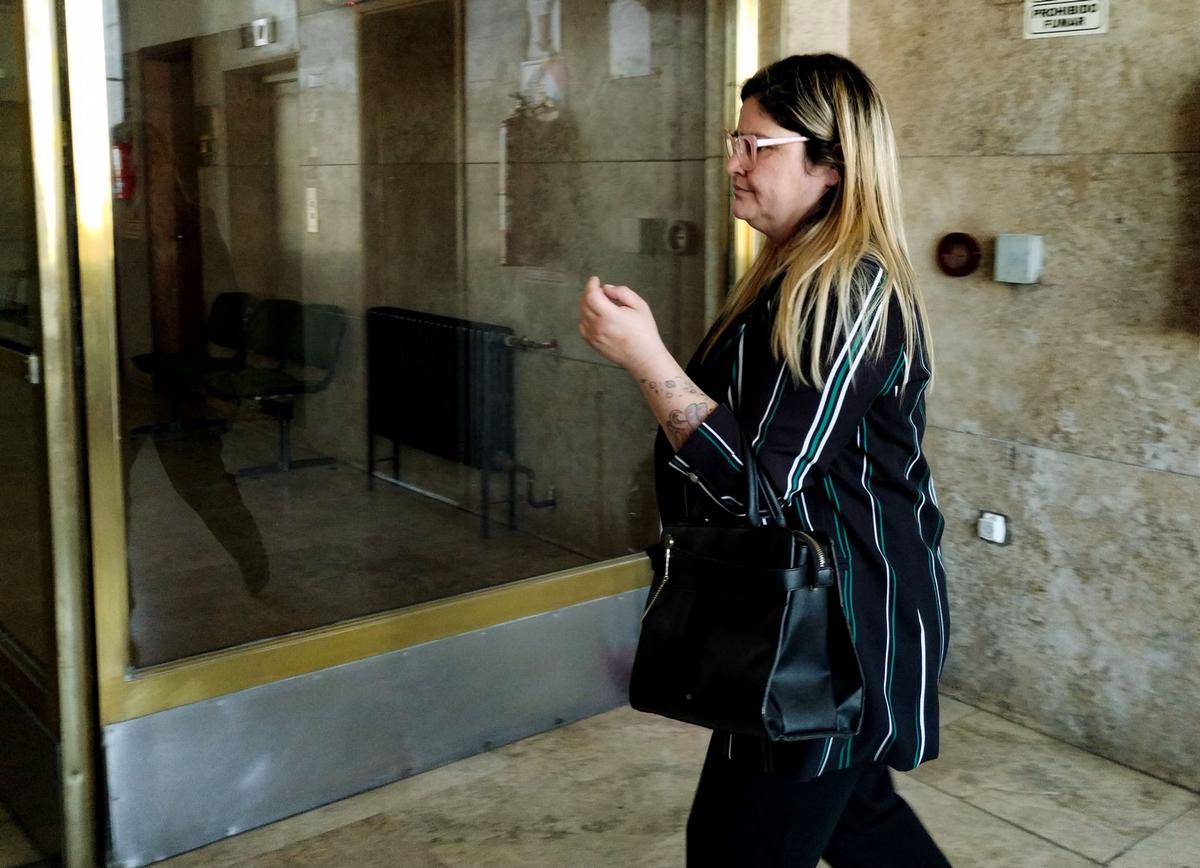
830,100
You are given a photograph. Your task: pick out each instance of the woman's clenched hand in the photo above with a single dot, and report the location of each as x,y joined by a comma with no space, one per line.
617,323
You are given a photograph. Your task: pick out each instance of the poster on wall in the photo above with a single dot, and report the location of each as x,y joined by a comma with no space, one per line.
543,82
1049,18
535,135
628,39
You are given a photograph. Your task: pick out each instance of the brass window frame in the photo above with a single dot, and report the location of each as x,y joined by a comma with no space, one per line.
126,693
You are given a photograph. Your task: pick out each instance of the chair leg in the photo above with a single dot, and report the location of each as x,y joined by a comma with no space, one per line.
283,413
485,492
512,495
285,444
177,423
370,460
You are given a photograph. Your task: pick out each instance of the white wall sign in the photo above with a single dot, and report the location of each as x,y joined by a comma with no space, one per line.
628,39
1046,18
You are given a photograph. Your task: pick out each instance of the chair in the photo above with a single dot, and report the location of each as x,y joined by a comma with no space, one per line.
188,370
293,349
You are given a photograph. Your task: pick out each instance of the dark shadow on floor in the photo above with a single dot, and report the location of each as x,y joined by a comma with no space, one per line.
192,461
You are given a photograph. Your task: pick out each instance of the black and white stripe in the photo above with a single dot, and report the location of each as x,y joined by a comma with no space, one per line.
845,456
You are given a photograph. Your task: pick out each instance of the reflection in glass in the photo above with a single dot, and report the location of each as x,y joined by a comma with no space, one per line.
348,266
30,787
19,323
26,595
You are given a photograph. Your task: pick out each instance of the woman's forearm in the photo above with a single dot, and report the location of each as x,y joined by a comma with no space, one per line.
618,324
678,403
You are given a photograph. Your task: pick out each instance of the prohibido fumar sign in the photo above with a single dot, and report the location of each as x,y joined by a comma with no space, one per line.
1045,18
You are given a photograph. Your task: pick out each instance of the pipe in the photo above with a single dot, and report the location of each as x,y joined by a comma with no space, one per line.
550,502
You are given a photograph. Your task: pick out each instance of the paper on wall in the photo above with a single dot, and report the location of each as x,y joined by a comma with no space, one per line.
628,39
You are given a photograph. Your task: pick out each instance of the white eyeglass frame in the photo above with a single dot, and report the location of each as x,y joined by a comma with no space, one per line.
754,142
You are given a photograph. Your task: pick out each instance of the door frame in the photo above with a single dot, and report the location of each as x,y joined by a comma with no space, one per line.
76,723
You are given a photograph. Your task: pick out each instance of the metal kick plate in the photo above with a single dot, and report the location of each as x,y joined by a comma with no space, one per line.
188,776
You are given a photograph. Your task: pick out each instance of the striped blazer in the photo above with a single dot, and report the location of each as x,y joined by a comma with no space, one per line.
845,459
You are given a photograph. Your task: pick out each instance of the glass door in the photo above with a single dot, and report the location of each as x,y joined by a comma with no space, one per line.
339,349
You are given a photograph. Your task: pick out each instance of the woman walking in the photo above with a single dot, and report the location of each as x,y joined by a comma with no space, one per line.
823,349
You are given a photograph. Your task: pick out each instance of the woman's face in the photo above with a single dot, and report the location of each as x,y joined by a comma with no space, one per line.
783,186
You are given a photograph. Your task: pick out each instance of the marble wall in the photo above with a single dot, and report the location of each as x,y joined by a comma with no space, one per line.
801,27
1073,405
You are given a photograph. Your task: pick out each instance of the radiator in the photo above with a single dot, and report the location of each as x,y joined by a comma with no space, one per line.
442,385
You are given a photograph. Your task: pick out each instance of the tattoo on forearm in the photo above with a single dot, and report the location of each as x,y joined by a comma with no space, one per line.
688,419
696,413
680,421
671,388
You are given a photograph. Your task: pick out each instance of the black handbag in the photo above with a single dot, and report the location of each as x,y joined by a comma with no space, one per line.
744,629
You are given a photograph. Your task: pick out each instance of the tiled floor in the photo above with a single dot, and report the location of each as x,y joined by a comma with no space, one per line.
614,791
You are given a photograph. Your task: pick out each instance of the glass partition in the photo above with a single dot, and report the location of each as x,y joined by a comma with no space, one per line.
350,241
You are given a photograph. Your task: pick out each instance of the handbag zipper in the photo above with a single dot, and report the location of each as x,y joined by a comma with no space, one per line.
816,547
668,541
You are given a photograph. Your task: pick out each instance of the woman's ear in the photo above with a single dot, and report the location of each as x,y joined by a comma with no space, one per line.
835,176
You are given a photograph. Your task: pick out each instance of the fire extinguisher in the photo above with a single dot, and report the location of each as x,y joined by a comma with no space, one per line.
124,177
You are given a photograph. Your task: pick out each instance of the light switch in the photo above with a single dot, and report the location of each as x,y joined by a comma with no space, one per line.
993,528
1018,258
310,209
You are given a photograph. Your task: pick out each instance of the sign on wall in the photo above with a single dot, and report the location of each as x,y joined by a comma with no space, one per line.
1046,18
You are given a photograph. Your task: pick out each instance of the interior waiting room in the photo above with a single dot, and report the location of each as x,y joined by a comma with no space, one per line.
323,528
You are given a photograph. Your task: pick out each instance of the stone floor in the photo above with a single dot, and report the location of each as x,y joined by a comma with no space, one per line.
614,791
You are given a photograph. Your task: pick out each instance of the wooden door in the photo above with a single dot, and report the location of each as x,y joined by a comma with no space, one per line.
172,199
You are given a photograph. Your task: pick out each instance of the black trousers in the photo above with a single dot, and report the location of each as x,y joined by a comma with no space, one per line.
744,816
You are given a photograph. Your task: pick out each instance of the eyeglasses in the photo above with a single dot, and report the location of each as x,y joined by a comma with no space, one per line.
745,146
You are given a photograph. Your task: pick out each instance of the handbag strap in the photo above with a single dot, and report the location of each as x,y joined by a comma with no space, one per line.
757,482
